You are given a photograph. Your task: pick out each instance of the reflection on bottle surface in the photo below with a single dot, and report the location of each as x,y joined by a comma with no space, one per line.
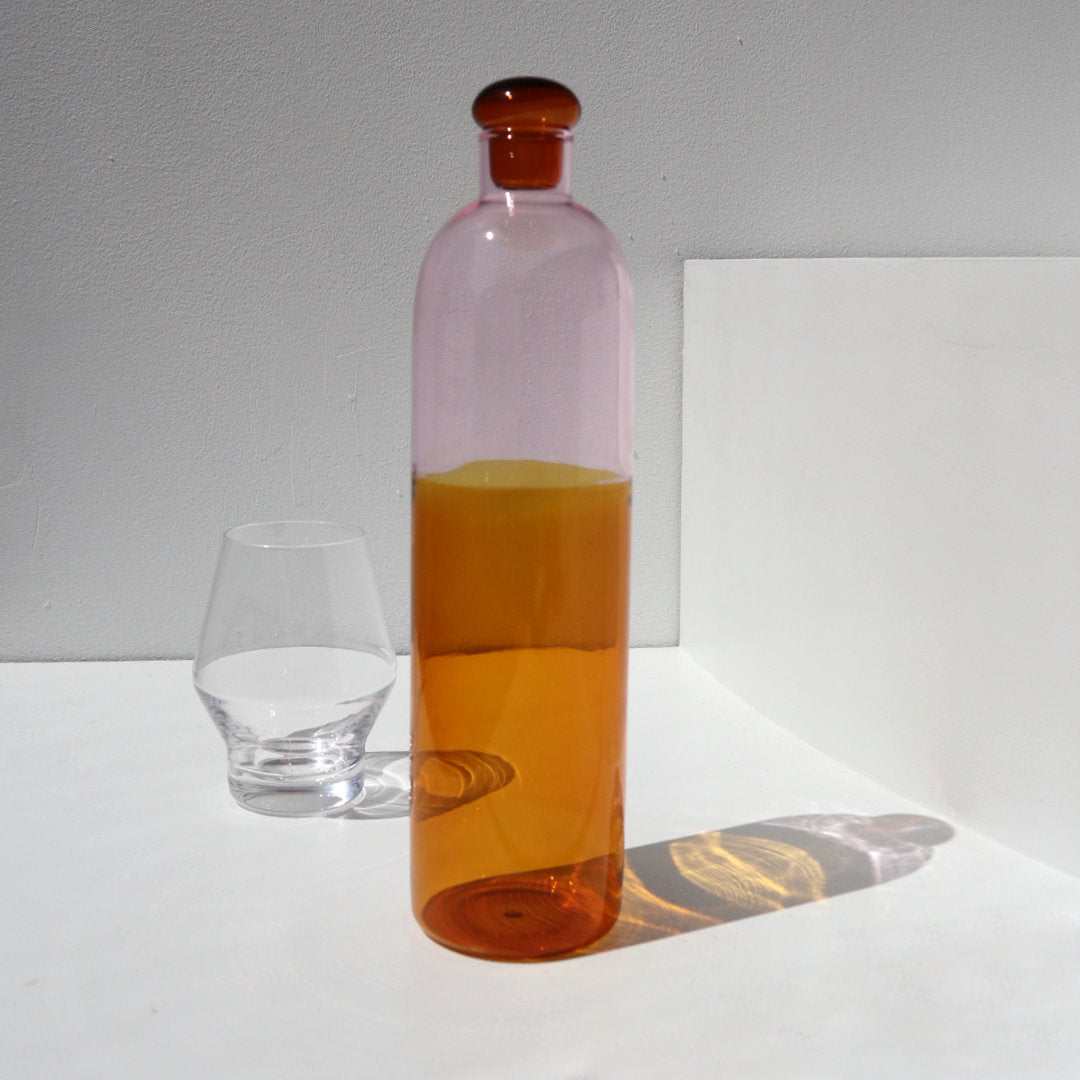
445,780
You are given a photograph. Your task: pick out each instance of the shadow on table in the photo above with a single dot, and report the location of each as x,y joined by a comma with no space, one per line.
675,886
386,786
445,780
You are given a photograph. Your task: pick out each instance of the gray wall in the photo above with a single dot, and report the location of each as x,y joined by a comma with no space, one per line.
212,216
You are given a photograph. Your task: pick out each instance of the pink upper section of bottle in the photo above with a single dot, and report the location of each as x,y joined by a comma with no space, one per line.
523,329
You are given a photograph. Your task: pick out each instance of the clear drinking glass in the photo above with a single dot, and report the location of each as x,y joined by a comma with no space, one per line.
294,664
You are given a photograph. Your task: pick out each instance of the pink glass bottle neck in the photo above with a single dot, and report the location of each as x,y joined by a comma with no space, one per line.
490,190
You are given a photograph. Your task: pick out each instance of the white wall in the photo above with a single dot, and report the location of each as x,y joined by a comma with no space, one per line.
212,216
881,528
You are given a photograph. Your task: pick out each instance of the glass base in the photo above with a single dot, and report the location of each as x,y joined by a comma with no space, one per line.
312,799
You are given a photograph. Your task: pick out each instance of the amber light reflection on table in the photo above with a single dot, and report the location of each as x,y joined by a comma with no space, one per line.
676,886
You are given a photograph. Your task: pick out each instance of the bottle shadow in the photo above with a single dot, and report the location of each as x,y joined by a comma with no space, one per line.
678,886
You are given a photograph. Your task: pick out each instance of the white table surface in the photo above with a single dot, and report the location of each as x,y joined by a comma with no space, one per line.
151,928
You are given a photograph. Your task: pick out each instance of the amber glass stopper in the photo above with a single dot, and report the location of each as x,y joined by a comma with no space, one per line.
527,119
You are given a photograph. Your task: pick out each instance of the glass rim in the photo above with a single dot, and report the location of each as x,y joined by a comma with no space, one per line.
294,535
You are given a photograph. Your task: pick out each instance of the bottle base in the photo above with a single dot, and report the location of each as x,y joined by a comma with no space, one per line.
529,916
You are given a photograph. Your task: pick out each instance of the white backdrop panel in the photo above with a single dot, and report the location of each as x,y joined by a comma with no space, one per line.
881,523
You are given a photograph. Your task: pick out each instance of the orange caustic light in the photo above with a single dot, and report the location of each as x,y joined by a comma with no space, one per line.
528,119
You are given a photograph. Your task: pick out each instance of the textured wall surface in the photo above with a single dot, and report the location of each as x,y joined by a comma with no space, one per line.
212,216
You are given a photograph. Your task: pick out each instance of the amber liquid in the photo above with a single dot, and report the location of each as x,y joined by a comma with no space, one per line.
520,572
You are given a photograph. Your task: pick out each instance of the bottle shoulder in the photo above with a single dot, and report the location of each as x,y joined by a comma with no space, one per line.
503,229
491,213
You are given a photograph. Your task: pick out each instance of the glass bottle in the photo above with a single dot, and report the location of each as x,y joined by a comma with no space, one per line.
522,417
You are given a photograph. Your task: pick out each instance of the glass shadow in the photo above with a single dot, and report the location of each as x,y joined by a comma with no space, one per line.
443,782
